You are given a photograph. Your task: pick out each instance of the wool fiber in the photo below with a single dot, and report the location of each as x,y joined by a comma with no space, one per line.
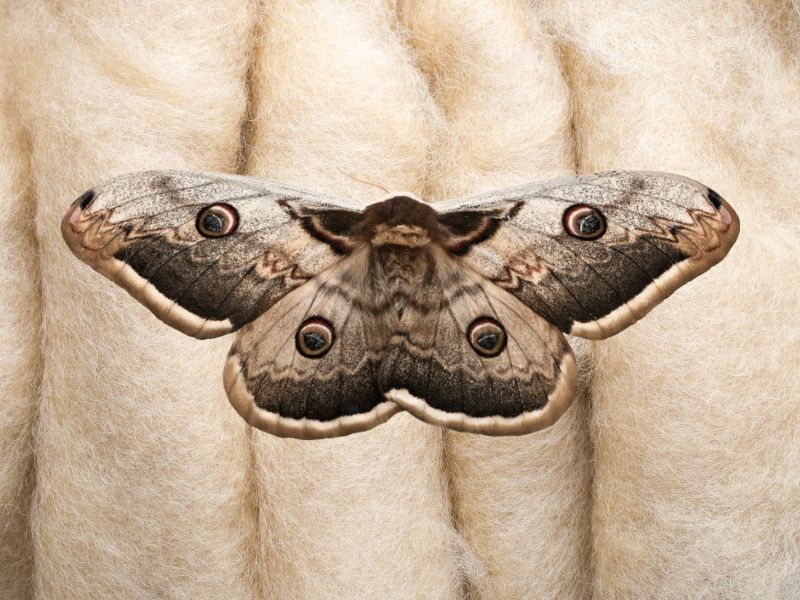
124,472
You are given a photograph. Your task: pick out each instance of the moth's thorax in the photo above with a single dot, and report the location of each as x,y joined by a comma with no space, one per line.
402,234
410,236
401,221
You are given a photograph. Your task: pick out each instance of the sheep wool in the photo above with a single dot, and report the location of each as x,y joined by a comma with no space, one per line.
125,472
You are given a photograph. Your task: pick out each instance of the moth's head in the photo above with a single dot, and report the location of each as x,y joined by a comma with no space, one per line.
400,219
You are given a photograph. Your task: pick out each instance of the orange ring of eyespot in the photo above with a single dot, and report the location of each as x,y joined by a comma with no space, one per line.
575,214
482,326
317,328
225,213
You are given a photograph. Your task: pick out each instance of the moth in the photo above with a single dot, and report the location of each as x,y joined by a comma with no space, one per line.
455,312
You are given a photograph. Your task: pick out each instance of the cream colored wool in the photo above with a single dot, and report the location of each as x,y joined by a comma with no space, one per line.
485,67
20,361
365,515
145,482
696,410
142,474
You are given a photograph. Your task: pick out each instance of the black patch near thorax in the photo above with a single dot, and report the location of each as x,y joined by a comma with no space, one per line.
339,229
464,229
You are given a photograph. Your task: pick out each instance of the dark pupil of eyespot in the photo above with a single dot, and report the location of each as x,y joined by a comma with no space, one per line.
213,222
314,341
588,224
487,340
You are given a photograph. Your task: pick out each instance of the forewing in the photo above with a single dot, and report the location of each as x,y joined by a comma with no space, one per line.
276,388
661,231
433,371
143,231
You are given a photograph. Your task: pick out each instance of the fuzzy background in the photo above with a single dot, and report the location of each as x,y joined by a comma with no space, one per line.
125,473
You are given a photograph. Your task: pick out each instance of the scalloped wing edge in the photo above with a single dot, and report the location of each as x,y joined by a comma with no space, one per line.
659,289
558,401
166,310
308,429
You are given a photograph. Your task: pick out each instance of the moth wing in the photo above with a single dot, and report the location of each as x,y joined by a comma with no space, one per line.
432,370
142,232
661,231
278,389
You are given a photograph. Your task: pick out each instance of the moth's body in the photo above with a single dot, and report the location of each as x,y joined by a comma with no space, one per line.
398,236
455,312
